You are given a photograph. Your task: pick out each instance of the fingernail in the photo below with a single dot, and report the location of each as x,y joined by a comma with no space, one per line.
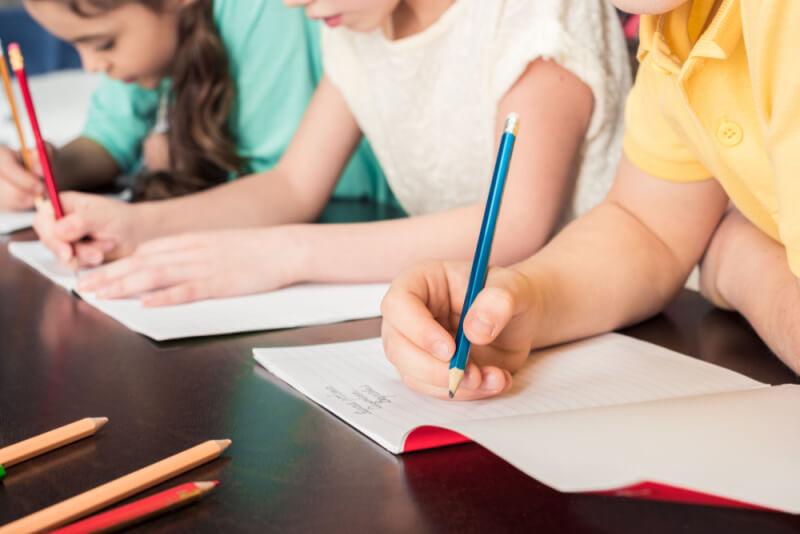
491,383
441,350
482,325
103,293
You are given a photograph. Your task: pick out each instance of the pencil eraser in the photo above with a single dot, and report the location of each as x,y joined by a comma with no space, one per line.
15,57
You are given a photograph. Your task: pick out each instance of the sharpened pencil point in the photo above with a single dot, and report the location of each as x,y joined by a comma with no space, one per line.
451,394
456,376
223,443
99,422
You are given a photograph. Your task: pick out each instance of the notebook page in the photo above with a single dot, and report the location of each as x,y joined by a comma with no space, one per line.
356,382
11,221
741,445
300,305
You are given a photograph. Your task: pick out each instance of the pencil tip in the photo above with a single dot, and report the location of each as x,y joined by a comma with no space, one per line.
451,394
99,422
223,443
207,484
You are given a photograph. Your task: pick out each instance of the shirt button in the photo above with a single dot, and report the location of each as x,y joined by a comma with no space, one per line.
729,133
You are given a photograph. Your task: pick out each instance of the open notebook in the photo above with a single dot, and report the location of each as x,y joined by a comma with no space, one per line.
610,414
301,305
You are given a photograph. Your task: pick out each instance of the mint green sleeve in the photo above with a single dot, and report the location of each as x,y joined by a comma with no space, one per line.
276,64
120,117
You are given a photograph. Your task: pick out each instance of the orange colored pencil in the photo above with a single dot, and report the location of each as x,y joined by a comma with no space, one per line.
64,435
98,498
18,66
12,103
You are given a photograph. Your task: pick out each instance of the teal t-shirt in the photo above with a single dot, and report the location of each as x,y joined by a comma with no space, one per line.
275,62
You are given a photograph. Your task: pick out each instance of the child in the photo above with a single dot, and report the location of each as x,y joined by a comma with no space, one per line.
713,117
234,78
429,82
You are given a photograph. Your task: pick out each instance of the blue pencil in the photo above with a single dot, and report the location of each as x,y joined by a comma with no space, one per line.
480,263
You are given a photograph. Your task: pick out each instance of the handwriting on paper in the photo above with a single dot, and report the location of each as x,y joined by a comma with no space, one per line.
364,400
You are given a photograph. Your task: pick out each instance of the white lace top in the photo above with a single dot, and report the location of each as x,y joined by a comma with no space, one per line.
427,103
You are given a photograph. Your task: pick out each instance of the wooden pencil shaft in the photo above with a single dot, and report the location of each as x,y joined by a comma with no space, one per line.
19,452
12,103
18,65
116,490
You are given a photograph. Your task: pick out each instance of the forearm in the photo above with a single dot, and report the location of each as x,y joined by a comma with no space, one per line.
377,251
749,271
264,199
84,165
604,271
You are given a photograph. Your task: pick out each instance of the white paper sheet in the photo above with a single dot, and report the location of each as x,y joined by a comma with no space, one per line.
301,305
356,382
12,221
743,446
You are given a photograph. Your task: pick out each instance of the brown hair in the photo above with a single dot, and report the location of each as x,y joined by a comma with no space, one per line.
202,149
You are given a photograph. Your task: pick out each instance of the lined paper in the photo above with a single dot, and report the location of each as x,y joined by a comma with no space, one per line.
356,382
300,305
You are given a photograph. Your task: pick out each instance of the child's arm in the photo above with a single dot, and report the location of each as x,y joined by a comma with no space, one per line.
83,164
296,190
555,108
620,263
746,270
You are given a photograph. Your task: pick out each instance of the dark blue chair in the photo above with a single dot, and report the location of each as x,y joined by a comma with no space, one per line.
42,51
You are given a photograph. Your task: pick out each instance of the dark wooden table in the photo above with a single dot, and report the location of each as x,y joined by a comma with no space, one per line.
294,467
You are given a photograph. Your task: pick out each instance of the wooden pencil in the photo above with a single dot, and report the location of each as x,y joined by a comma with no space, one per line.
141,510
116,490
12,103
18,66
24,450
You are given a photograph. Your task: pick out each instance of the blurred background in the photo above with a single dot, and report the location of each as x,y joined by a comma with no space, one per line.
43,52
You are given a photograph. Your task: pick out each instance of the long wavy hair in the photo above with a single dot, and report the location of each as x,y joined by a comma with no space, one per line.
202,149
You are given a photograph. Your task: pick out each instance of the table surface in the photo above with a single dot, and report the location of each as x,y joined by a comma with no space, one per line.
294,467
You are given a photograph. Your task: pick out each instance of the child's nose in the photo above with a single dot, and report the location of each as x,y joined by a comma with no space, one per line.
92,63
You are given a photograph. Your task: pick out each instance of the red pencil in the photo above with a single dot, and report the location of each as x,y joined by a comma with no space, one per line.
141,510
18,66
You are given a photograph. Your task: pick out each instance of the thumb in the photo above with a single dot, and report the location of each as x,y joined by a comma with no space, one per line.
489,314
79,220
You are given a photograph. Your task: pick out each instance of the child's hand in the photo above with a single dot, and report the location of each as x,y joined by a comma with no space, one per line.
420,317
184,268
95,228
18,186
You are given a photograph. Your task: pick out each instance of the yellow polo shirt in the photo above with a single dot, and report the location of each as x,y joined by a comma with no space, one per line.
724,102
